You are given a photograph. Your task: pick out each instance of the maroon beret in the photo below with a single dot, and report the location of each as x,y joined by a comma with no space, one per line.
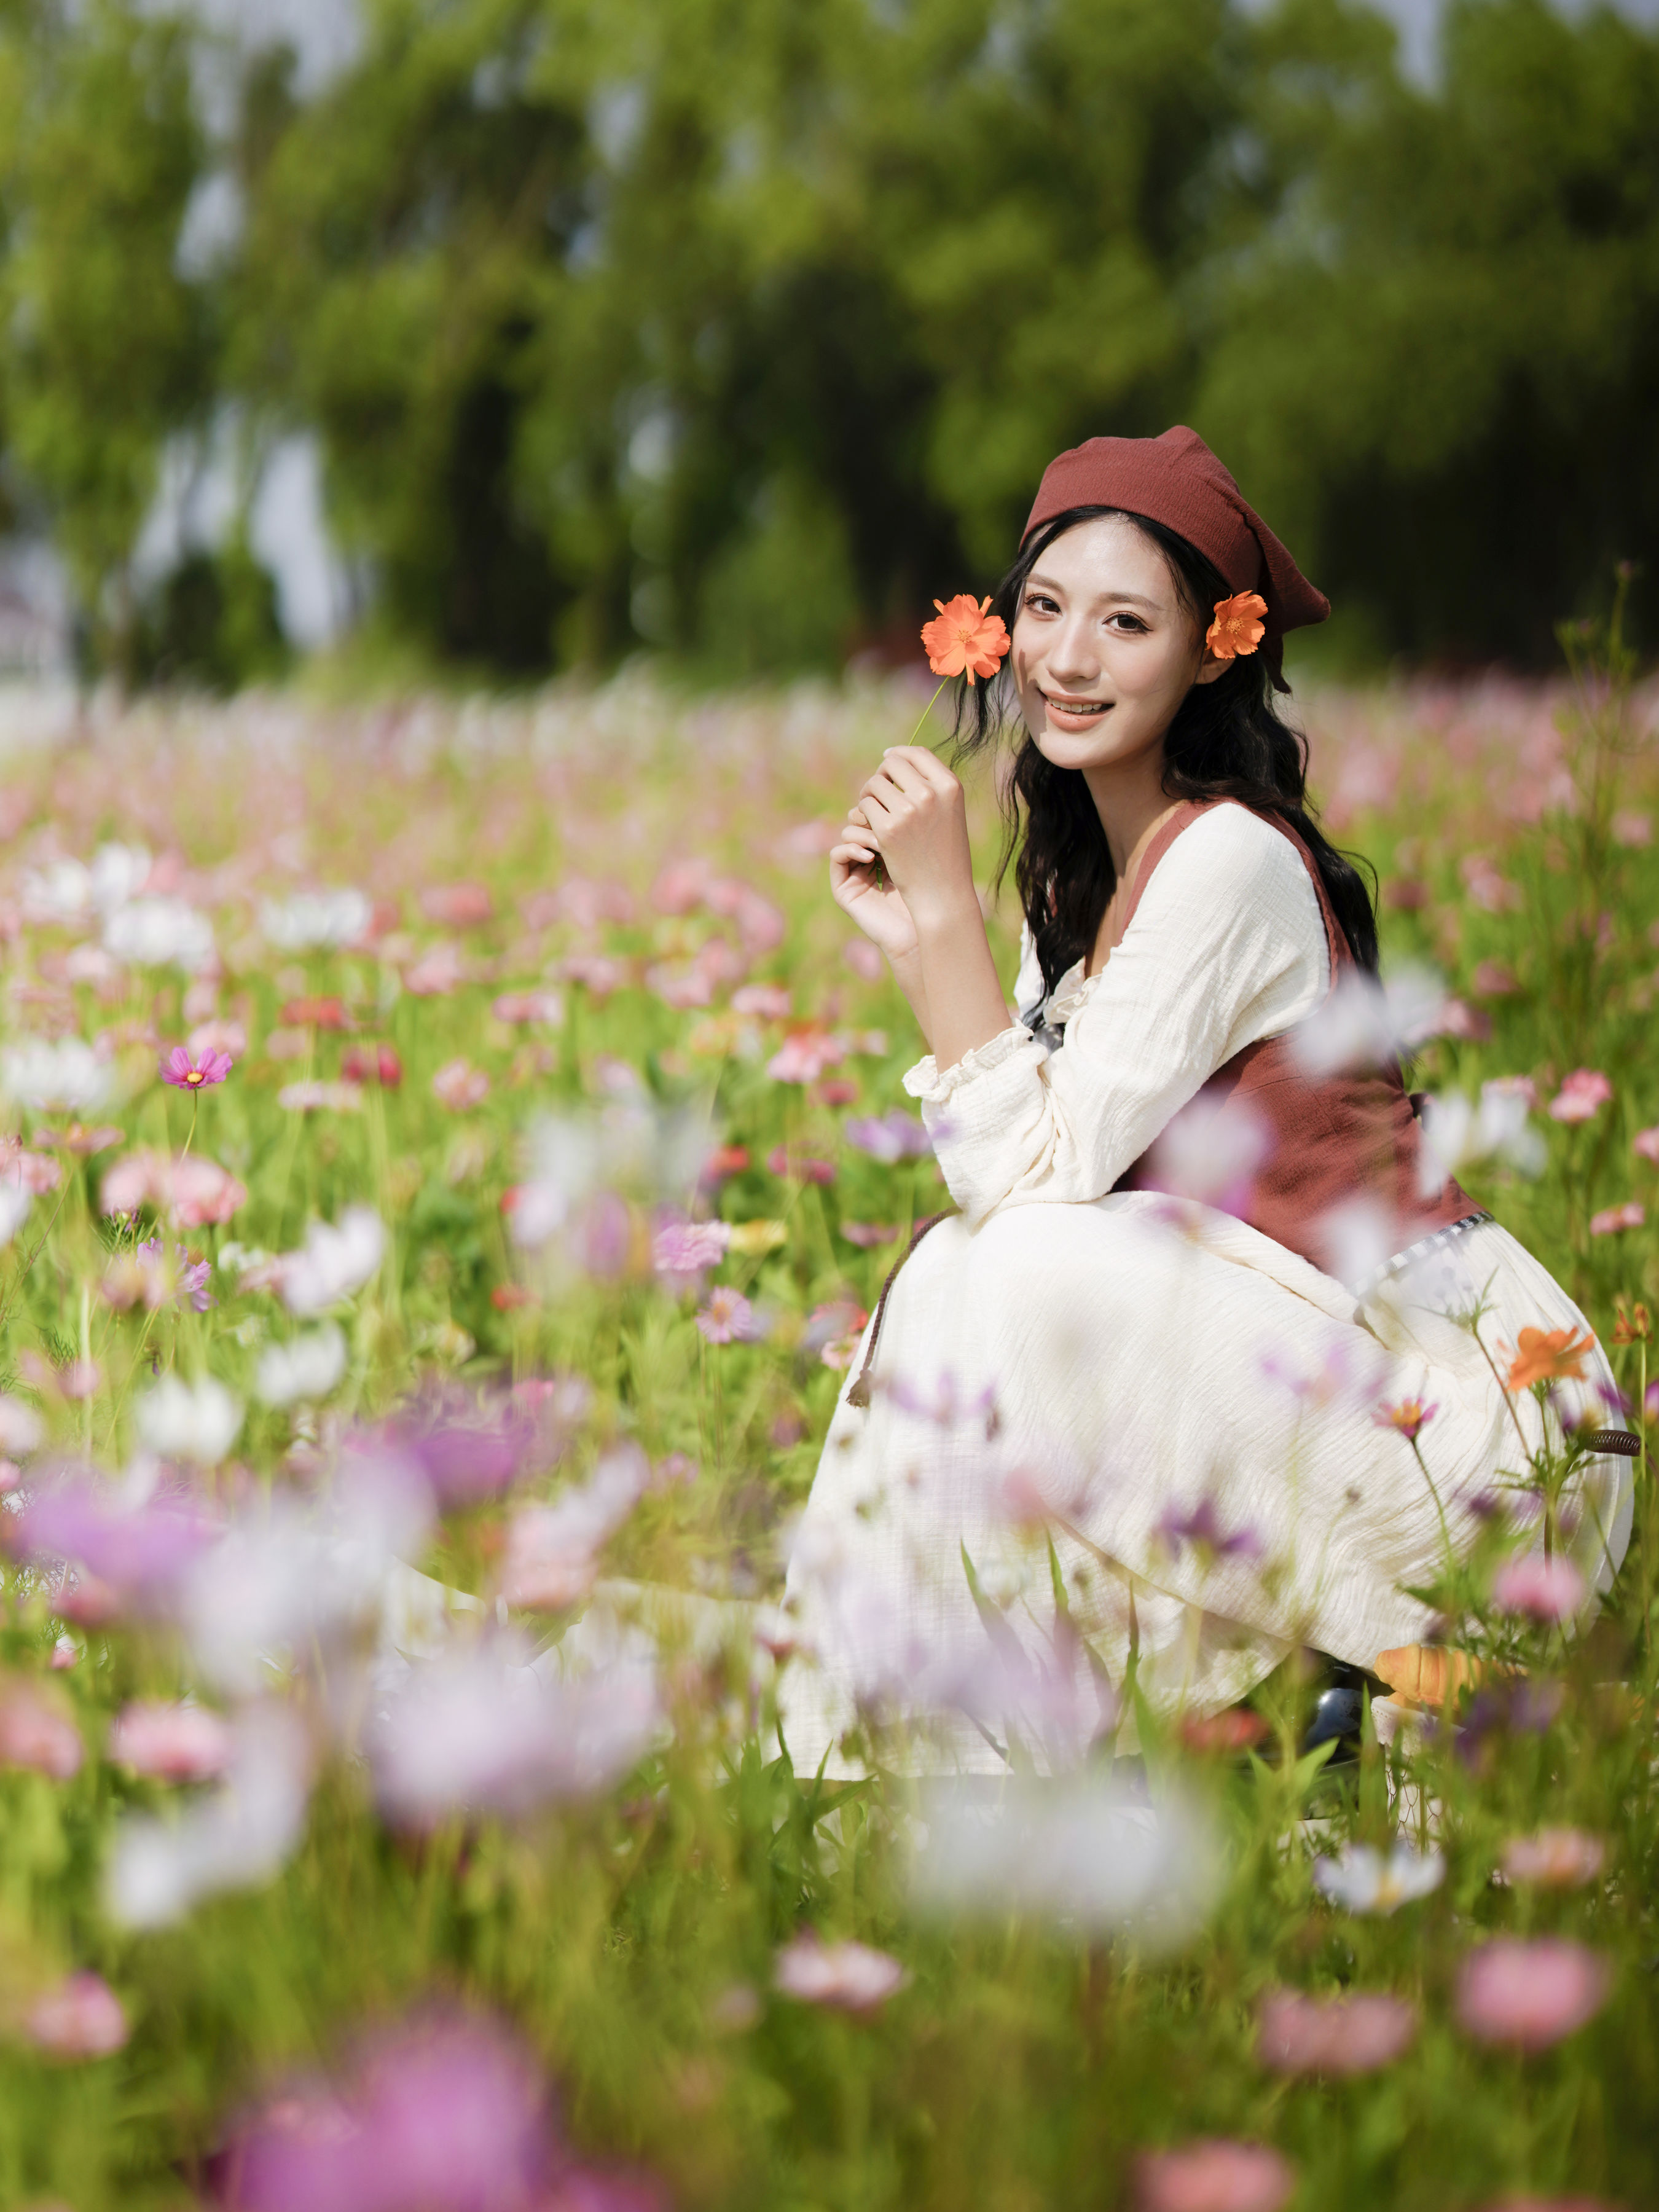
1177,480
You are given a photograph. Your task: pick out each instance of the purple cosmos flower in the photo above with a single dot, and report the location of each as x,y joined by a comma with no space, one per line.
1200,1526
728,1318
136,1552
890,1137
188,1071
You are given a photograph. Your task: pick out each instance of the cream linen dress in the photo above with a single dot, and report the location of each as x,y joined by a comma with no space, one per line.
1186,1408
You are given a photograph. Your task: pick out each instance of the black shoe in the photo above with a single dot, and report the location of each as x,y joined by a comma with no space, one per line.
1339,1708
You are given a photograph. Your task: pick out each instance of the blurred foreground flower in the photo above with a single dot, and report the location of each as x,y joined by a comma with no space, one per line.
480,1728
1367,1023
1554,1858
728,1318
81,2018
443,2114
334,1262
553,1551
134,1549
193,1192
180,1420
1361,1880
1456,1135
66,1076
1548,1589
1078,1850
1210,1153
847,1976
1213,2176
1529,1995
159,933
302,1371
171,1742
37,1729
894,1136
239,1835
1357,2034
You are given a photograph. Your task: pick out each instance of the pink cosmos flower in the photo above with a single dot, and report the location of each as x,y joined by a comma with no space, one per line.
200,1191
848,1977
1492,980
438,974
867,1235
1612,1218
460,1086
1529,1995
1555,1858
457,906
728,1318
81,2018
762,1002
893,1136
866,961
219,1037
804,1057
373,1063
553,1551
186,1072
1582,1096
1552,2205
34,1172
36,1730
1548,1589
448,2112
798,1167
1515,1087
1357,2034
1645,1144
546,1007
1409,1415
1213,2176
681,1250
318,1097
1632,829
171,1742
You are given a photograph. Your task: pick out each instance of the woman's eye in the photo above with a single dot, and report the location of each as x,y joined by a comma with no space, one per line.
1125,622
1039,603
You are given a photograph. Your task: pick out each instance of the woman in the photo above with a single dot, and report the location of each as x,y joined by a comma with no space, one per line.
1185,1429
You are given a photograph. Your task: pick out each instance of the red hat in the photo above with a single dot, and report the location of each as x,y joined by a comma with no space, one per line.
1177,480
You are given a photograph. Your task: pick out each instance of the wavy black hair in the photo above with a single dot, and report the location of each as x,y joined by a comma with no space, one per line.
1226,741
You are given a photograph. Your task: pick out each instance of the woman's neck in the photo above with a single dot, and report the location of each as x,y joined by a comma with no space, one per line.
1131,801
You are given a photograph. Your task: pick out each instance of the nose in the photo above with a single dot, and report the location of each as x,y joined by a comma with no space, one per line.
1072,659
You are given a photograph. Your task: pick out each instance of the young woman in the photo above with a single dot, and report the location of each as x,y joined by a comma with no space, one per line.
1198,1413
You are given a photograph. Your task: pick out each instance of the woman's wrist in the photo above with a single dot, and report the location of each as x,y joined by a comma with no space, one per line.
942,920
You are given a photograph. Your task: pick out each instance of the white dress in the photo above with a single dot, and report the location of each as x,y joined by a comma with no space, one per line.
1185,1409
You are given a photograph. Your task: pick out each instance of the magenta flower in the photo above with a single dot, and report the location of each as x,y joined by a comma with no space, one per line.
171,1742
1529,1995
186,1071
1357,2034
1409,1415
890,1137
1582,1096
728,1318
1549,1589
37,1730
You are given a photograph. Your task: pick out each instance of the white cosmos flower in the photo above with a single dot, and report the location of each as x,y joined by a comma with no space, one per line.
1456,1135
302,1371
1078,1850
1366,1023
59,892
315,918
1366,1880
334,1260
178,1420
119,873
55,1076
15,1203
159,933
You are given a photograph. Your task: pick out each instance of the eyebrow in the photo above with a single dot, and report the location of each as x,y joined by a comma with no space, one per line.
1131,599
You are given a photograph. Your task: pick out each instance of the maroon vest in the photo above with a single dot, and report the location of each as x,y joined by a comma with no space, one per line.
1334,1137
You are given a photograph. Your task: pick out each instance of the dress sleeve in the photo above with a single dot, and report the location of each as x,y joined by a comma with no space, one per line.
1227,946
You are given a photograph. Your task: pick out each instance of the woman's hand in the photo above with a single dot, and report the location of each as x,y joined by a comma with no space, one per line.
862,887
918,818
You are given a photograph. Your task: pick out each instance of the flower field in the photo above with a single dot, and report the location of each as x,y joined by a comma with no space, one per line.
449,1153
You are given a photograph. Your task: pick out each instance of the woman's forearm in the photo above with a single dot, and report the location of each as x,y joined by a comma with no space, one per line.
964,1004
907,973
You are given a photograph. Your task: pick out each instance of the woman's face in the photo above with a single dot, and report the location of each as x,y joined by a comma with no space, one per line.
1105,647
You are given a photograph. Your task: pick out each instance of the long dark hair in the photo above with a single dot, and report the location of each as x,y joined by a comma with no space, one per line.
1226,742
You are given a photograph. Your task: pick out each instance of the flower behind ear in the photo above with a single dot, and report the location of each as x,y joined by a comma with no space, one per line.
1238,626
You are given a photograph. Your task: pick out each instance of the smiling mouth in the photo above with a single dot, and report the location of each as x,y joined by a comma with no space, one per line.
1076,706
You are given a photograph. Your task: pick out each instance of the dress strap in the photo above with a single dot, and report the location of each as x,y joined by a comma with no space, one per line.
859,1393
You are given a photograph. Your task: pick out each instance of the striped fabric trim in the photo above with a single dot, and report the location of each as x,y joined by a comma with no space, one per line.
1435,1241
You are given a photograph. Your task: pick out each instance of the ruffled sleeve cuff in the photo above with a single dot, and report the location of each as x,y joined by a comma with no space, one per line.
924,1082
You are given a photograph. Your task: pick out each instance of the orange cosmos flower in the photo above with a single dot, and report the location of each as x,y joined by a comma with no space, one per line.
1633,1325
1550,1355
1238,625
965,638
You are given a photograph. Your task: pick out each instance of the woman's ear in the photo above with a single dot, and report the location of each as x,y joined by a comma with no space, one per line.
1209,668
